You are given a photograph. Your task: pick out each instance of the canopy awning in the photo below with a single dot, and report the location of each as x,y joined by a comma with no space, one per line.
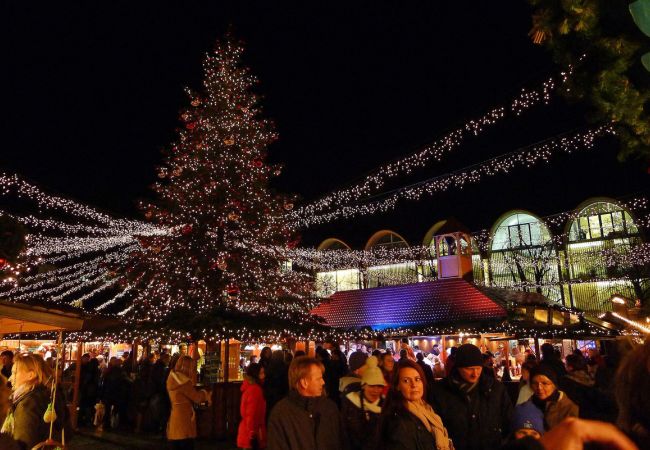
22,318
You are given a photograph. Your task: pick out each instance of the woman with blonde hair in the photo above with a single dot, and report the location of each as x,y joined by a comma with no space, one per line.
181,428
29,402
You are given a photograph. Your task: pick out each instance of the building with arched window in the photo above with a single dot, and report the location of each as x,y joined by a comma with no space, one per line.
599,227
523,254
567,259
389,274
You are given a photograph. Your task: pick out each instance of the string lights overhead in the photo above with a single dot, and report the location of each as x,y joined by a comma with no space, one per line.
503,164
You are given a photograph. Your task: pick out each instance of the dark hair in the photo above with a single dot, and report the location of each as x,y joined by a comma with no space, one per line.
376,353
402,353
299,353
266,353
576,362
395,400
547,350
8,353
322,353
253,372
420,356
405,340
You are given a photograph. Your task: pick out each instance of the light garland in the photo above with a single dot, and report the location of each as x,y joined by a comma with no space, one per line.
526,99
527,157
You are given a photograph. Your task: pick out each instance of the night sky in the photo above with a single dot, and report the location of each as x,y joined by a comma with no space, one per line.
92,90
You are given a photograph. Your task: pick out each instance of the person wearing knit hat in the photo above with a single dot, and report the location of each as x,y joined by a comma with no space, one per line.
360,410
352,381
553,403
527,420
475,408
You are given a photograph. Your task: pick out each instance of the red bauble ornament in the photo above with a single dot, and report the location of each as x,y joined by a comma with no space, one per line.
233,290
190,125
288,206
3,262
257,163
187,229
195,101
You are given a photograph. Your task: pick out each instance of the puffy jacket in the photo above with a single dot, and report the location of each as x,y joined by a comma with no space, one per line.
182,420
478,420
404,431
305,423
253,415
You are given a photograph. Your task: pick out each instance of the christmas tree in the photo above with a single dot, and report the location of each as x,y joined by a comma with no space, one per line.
224,232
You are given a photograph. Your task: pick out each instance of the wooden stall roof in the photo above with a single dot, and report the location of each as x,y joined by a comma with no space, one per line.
24,318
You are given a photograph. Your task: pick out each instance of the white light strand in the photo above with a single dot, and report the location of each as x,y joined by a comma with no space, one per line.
502,164
433,152
114,299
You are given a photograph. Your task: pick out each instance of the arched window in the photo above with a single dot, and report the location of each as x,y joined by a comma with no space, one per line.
386,239
523,255
519,230
390,274
602,220
600,226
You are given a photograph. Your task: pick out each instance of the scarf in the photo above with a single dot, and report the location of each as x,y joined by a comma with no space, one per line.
432,422
542,404
19,393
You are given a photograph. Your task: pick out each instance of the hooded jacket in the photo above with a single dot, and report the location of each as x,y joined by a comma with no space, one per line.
476,420
305,423
253,415
182,420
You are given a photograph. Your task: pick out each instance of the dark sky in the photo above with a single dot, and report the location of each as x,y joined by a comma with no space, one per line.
92,90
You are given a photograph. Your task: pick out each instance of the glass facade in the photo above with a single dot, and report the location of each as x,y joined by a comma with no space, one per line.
523,253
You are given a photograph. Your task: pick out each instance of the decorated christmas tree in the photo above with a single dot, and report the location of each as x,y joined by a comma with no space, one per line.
224,234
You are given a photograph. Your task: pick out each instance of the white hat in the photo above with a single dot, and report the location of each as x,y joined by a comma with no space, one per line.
372,373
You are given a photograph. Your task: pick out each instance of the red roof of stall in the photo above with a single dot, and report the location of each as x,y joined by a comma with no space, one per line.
419,304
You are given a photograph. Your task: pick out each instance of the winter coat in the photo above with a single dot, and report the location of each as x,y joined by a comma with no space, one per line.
581,389
360,421
478,420
305,423
253,415
29,428
557,411
276,383
404,431
182,420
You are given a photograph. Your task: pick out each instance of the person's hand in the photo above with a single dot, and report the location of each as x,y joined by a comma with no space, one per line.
572,434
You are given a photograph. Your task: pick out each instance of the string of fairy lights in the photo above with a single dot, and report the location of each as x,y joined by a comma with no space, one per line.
434,152
503,164
223,221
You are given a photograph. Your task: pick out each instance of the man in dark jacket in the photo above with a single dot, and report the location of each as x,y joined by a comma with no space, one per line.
474,407
305,419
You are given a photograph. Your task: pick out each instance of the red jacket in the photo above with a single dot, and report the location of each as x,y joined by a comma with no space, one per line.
253,415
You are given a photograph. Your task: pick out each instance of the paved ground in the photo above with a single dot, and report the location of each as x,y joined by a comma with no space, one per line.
92,440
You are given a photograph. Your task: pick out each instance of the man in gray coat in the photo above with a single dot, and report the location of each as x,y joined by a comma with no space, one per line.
305,419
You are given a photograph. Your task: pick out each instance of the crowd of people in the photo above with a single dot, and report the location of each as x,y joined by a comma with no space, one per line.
361,399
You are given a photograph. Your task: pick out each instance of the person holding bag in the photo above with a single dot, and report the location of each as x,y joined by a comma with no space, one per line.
181,428
252,428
